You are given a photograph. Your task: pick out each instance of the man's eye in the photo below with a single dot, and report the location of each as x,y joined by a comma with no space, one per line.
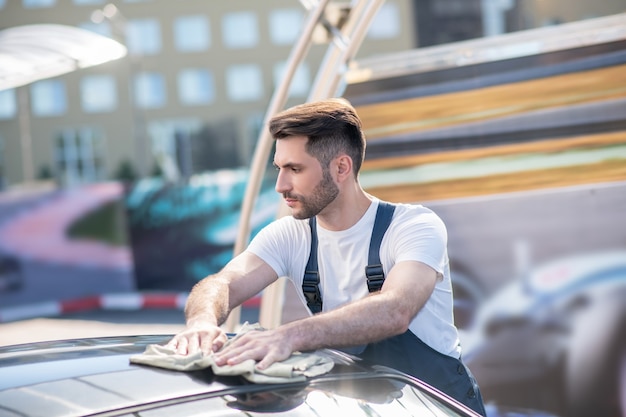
296,170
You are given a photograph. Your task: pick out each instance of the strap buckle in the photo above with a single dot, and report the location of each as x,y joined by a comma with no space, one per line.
375,277
311,290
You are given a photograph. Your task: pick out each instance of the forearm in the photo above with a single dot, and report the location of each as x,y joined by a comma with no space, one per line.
371,319
212,299
208,301
362,322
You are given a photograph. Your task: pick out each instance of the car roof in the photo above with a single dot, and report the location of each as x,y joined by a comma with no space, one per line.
91,376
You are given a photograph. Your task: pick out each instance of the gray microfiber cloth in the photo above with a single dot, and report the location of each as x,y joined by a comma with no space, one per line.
297,367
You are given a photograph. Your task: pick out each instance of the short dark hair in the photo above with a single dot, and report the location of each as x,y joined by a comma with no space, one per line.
332,127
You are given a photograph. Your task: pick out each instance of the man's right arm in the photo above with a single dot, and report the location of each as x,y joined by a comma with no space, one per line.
212,299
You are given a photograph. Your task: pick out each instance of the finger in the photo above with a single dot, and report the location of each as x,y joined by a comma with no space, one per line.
172,344
272,356
225,356
207,341
193,343
181,346
266,362
219,342
232,355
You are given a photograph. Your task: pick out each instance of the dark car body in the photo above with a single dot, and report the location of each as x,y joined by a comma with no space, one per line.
11,277
94,377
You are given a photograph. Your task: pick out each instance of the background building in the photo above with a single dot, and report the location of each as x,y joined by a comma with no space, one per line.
199,75
193,88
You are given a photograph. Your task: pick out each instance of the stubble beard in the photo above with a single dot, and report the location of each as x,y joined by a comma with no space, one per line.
324,193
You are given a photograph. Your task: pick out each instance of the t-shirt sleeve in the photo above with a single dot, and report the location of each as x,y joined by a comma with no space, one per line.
420,235
281,245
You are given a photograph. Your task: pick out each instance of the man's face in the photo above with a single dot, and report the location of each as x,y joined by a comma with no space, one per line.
305,186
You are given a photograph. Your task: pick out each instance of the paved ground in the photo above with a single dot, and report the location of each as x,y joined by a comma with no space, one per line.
97,323
37,330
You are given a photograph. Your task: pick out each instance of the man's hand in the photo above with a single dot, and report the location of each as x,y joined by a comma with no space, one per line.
207,338
264,346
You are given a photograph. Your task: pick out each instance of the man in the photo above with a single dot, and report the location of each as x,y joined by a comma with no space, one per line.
407,324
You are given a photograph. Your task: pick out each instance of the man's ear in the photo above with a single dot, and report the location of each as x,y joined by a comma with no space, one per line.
343,167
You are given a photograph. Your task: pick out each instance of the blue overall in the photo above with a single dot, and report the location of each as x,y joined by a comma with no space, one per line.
405,352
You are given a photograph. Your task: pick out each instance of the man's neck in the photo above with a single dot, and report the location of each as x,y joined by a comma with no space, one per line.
345,211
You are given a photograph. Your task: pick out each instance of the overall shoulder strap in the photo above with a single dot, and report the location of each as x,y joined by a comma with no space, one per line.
374,269
311,281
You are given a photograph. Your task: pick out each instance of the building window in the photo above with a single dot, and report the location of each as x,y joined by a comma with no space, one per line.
386,23
8,104
149,90
33,4
143,37
192,33
79,156
240,30
301,82
254,128
285,26
196,86
244,83
171,144
98,93
48,98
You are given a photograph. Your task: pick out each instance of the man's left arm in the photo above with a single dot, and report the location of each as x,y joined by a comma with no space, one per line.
387,313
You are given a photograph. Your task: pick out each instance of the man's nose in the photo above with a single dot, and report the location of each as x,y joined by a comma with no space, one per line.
282,183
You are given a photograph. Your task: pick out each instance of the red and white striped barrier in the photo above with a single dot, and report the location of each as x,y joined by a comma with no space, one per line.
117,301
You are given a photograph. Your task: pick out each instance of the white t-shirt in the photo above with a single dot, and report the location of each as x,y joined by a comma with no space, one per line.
415,233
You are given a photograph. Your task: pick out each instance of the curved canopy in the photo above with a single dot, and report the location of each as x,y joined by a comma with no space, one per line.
35,52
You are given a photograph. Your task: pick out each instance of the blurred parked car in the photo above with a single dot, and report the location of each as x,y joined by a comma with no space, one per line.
555,340
469,294
10,274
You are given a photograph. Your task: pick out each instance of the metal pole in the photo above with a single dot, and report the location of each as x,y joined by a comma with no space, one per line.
339,54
